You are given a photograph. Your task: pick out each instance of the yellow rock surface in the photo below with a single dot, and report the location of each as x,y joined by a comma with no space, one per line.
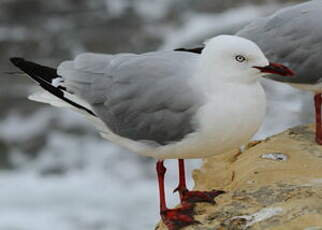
275,184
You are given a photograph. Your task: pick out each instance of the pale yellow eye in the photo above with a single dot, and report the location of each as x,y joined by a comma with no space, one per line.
240,58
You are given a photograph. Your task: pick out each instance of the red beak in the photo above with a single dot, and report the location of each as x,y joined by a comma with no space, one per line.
275,68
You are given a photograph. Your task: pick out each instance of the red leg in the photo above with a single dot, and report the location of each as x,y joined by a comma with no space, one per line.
318,125
187,196
182,187
161,170
177,218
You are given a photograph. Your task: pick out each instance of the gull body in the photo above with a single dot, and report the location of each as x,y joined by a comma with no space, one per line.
293,36
209,104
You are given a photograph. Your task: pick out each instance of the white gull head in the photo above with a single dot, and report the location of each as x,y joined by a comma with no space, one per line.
234,59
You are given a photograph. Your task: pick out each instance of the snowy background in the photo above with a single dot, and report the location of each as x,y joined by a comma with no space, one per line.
56,172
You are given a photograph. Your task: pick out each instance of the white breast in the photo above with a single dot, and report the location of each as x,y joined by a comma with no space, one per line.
227,121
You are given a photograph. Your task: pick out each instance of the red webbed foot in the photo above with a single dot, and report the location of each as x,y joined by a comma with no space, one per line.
178,218
198,196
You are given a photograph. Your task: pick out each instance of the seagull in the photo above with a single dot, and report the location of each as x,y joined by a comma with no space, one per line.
167,104
293,36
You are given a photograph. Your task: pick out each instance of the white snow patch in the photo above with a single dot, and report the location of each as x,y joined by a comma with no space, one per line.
261,215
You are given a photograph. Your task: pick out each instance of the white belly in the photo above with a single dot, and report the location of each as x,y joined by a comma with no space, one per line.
225,123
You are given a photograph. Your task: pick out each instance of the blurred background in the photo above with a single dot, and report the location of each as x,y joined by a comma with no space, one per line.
56,171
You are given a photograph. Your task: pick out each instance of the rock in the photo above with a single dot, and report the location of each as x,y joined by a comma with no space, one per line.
275,184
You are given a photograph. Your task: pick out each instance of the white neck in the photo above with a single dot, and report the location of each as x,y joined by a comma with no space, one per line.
209,80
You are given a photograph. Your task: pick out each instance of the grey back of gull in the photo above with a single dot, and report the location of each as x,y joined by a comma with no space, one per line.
292,36
141,97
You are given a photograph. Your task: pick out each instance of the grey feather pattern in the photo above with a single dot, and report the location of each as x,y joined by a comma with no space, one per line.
141,97
292,36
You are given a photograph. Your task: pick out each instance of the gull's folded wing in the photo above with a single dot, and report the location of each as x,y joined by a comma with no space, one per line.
145,97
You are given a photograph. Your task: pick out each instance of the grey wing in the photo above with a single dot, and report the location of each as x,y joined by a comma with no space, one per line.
292,36
141,97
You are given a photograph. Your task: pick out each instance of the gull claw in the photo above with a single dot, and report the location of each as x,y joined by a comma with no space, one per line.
178,218
198,196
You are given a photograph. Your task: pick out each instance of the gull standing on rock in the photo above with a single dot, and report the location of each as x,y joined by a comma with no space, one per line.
166,105
293,36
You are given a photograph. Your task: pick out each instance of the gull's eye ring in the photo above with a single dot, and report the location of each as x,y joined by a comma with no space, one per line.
240,58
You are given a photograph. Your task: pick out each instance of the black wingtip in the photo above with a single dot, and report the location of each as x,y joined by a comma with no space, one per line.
180,49
44,75
197,50
17,60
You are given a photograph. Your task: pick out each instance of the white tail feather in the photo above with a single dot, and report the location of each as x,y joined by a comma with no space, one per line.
105,132
48,98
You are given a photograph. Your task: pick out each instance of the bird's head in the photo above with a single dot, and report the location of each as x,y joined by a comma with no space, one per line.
237,59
